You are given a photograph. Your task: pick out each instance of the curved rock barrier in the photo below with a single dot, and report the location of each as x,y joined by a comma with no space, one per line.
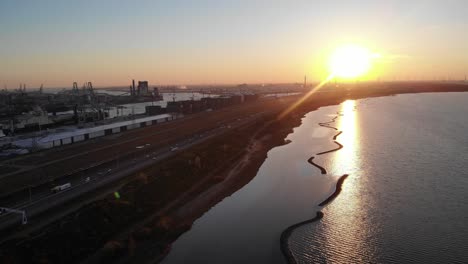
322,169
339,133
332,150
329,122
319,215
337,191
287,233
327,126
324,123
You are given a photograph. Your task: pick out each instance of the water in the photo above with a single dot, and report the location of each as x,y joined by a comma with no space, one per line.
404,201
140,108
407,200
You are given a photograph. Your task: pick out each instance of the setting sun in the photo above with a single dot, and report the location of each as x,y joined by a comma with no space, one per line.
350,61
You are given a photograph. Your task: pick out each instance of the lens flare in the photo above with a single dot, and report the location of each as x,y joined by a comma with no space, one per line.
350,61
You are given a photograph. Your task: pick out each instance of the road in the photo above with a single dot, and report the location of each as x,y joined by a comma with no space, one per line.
42,199
51,165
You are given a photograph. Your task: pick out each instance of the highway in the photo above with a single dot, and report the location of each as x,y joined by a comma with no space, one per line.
50,165
41,199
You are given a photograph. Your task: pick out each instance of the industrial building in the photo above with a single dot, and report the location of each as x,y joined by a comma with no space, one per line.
78,135
191,106
155,114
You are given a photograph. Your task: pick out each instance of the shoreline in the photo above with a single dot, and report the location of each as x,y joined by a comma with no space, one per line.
287,253
304,109
239,173
250,167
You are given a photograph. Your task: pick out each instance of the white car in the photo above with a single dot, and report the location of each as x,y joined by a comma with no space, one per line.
59,188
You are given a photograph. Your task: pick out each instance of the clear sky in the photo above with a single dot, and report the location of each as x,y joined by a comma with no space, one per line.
109,42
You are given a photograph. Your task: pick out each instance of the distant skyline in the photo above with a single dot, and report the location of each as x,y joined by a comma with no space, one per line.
225,42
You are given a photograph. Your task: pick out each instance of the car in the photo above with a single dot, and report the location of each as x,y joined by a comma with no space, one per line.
59,188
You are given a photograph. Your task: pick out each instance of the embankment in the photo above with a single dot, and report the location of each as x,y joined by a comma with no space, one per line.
319,215
335,136
322,169
332,150
287,233
337,191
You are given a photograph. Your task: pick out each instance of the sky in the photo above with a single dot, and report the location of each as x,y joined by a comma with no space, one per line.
110,42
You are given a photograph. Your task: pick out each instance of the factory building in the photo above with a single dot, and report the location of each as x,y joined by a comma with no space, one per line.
78,135
191,106
142,87
155,115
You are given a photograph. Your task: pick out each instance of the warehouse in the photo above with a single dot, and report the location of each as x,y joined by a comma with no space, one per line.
70,137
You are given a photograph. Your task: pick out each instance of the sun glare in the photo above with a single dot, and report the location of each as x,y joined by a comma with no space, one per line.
350,61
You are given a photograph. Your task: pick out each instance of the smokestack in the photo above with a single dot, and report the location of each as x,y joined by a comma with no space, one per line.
305,81
133,87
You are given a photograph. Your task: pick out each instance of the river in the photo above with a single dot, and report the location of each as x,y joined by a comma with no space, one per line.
404,200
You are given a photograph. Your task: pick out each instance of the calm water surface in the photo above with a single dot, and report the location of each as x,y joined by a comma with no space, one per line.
140,108
404,201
